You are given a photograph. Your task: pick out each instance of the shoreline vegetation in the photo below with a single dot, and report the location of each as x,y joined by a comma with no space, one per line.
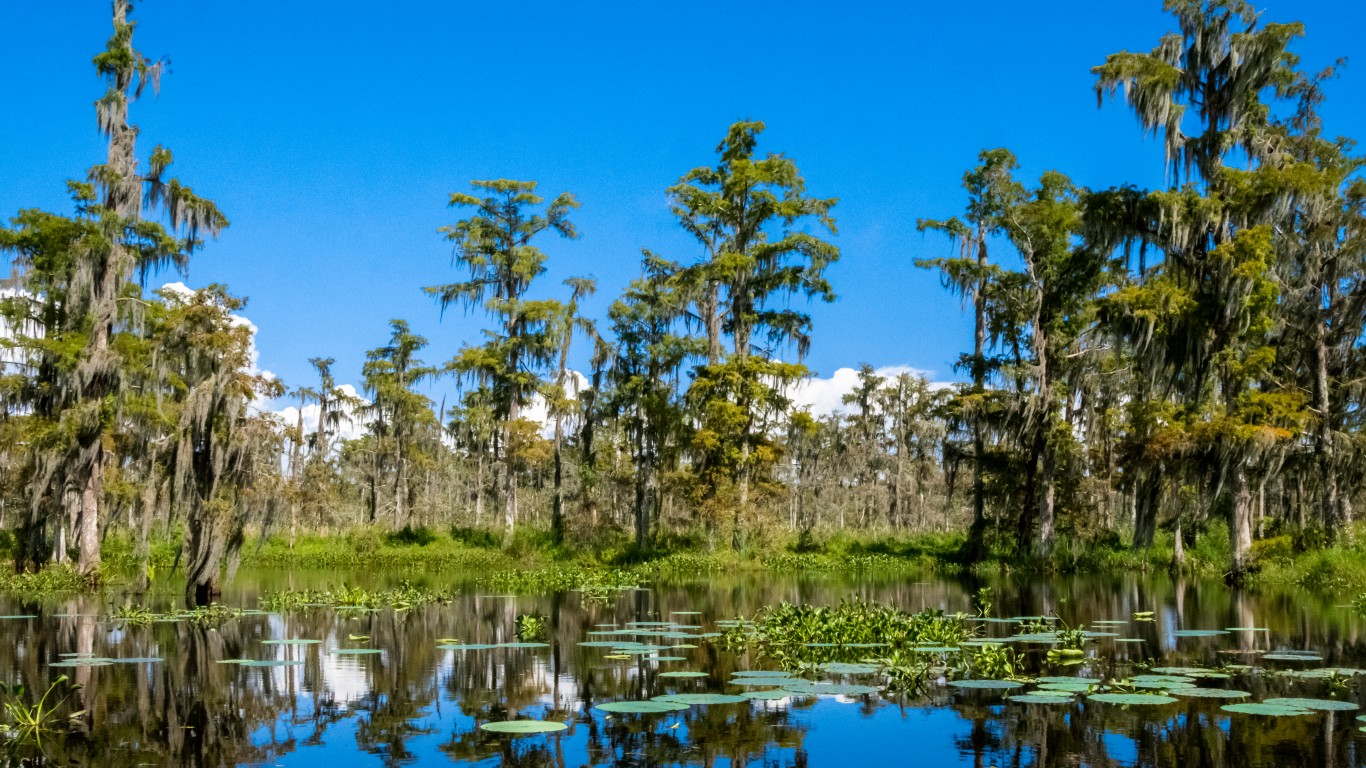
1157,377
530,563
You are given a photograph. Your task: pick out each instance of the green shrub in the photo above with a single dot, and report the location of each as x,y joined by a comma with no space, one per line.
409,536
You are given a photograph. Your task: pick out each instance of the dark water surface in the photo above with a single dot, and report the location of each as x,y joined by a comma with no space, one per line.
413,704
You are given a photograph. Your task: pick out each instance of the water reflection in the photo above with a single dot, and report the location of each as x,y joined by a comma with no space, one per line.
413,704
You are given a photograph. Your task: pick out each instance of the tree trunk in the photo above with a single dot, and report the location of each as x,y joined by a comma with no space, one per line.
557,502
1241,529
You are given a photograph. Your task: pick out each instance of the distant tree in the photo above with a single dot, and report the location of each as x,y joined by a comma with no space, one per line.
494,246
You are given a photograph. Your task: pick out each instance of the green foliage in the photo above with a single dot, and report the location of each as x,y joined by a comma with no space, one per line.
28,724
797,635
531,626
408,536
402,597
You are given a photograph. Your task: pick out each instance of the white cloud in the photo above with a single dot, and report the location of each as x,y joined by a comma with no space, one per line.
823,397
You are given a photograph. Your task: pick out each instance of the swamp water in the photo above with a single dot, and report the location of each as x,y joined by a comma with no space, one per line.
161,694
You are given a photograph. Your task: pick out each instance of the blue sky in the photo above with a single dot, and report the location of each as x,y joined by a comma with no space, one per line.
333,139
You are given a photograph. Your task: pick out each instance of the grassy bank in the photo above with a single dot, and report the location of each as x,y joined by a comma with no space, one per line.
531,562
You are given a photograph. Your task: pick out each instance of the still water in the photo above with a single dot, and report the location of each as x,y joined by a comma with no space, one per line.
415,704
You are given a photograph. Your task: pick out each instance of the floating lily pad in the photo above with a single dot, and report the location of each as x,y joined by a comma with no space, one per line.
524,645
83,662
523,727
846,668
993,685
1068,688
830,689
1131,698
763,673
139,660
290,642
600,644
1270,710
667,658
1319,705
770,695
467,647
1199,632
682,673
1040,698
1324,673
759,682
700,698
1247,629
355,651
1209,693
1291,657
641,707
271,663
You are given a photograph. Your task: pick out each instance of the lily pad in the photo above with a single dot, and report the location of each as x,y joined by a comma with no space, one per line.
523,727
641,707
1068,688
760,682
1270,710
524,645
1209,693
682,673
1199,632
1318,705
1131,698
769,695
467,647
355,651
700,698
763,673
271,663
846,668
993,685
296,641
830,689
1040,698
1291,657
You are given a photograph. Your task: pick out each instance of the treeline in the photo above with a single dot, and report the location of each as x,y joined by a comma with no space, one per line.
1141,359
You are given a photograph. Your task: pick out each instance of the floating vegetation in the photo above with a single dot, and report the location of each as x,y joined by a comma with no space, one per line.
797,635
700,698
1269,710
995,685
772,695
682,673
1199,632
546,580
531,626
1301,656
404,596
1041,697
354,651
295,641
1131,699
523,727
641,707
830,689
1209,693
1318,705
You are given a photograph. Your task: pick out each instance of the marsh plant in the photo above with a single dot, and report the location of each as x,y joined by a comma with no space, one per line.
27,725
852,630
994,661
531,626
402,597
982,601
